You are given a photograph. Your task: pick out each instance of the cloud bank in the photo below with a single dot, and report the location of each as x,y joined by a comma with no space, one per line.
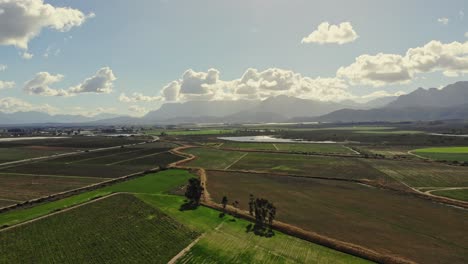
384,69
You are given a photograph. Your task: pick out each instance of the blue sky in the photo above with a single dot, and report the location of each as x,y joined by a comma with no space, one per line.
148,44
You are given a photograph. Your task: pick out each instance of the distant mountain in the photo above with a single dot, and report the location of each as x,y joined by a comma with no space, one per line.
273,109
451,102
40,117
451,95
396,114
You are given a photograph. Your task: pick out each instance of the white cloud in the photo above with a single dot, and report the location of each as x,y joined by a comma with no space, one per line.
3,67
26,55
22,20
378,94
50,51
466,34
101,82
382,69
253,84
39,85
12,104
138,110
6,85
443,20
326,33
461,14
138,97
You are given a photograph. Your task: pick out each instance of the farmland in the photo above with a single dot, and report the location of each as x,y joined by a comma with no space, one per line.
423,174
189,132
459,194
29,180
314,166
118,229
224,240
406,226
291,147
441,153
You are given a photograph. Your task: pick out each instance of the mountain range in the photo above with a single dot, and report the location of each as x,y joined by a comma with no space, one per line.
450,102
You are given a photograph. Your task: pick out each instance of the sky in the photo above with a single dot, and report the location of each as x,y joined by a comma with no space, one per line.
130,57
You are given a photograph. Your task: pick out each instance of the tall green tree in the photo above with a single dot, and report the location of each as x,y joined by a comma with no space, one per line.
194,191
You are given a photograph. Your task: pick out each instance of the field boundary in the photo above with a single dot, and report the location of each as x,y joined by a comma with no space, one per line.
65,194
237,160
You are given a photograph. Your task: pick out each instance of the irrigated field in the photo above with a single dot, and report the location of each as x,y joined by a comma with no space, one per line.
21,153
381,220
226,241
154,183
212,158
187,132
458,194
448,153
20,182
315,166
19,188
423,174
291,147
117,229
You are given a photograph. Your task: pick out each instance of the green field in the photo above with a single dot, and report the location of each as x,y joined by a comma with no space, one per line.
460,194
225,241
154,183
422,174
213,158
117,229
291,147
381,220
445,153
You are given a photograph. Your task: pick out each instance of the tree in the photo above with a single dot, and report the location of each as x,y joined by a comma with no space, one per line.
264,212
224,202
194,191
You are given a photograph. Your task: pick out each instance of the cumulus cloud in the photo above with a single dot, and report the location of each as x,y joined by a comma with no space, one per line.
12,104
3,67
6,85
326,33
138,110
138,97
443,20
253,84
101,82
40,85
22,20
382,69
26,55
466,34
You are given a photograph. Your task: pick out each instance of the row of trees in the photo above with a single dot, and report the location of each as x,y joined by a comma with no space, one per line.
261,209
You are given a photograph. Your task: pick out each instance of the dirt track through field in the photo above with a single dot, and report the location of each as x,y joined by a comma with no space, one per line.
237,160
446,189
53,176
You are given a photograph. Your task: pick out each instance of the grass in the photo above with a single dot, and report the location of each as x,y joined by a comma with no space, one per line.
423,174
161,182
231,244
381,220
444,153
461,194
118,229
212,158
26,187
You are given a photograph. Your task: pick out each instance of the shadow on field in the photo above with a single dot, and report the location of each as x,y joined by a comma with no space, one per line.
259,230
187,206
